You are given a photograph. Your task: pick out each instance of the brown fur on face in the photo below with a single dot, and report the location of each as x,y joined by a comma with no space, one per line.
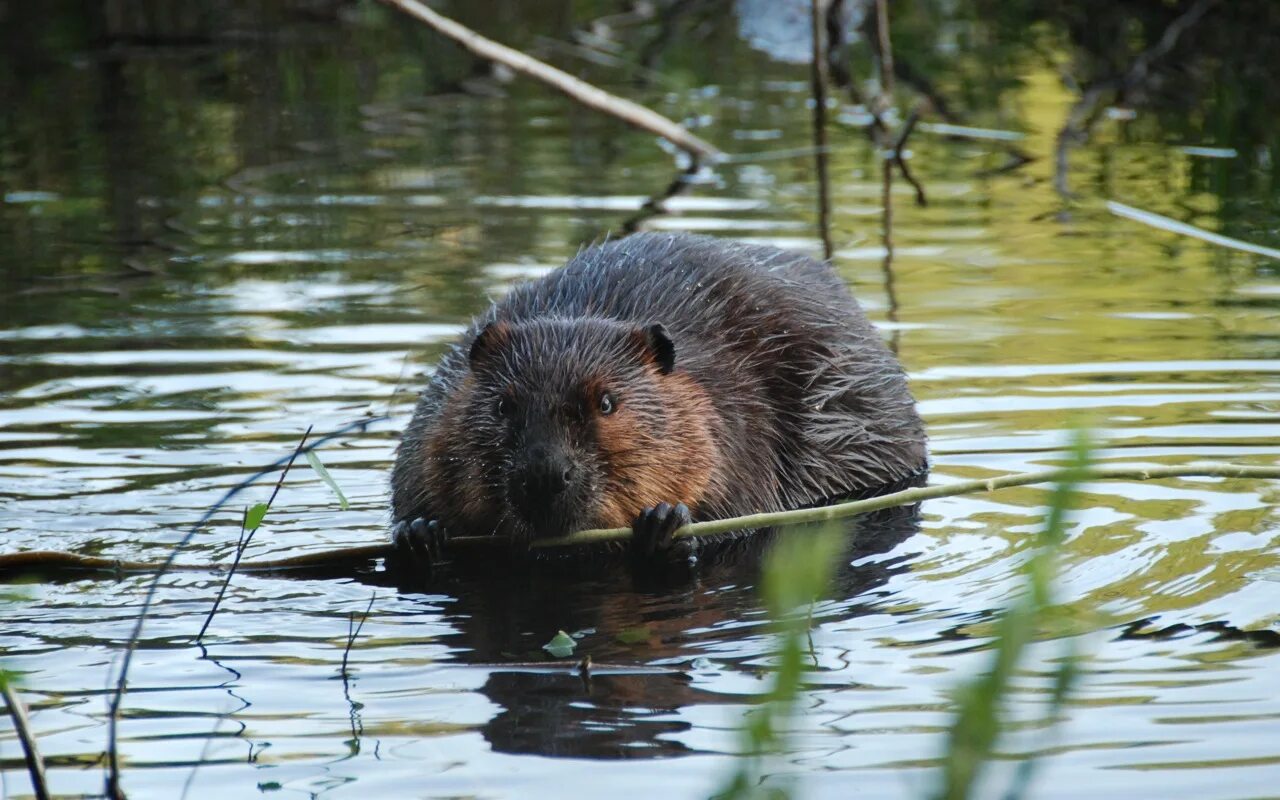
457,483
646,465
658,444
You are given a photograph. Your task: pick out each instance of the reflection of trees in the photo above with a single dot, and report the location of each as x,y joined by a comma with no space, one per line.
625,709
1201,68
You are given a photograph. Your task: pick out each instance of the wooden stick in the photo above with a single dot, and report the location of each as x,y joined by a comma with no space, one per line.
35,764
54,560
911,496
580,91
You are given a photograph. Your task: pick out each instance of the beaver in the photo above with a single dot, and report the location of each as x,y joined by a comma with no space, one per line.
653,381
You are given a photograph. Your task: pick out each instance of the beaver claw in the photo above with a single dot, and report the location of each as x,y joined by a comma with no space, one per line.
419,544
653,533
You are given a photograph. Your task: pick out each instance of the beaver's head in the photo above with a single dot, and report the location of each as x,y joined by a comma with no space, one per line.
579,423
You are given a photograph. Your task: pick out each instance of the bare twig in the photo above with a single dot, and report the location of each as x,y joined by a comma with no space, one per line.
886,264
348,555
56,561
656,205
1168,40
114,789
907,128
22,727
884,101
352,634
818,76
912,496
245,538
580,91
1081,118
885,51
1174,226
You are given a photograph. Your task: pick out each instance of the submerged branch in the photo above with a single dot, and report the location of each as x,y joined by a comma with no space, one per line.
578,90
22,727
52,560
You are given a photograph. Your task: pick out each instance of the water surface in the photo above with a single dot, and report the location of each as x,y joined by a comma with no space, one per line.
222,229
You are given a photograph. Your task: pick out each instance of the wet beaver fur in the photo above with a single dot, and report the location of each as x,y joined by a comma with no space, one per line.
652,381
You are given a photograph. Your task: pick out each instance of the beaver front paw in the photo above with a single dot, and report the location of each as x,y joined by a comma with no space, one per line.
419,545
653,534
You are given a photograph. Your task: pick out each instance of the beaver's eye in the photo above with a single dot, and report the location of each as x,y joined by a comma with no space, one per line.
607,404
504,407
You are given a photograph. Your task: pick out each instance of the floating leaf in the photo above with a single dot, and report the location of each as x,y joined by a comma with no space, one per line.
637,635
561,645
255,515
314,461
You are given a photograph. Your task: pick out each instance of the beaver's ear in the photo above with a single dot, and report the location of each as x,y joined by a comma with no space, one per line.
489,340
657,347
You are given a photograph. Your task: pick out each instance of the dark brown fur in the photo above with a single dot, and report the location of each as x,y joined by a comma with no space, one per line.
779,394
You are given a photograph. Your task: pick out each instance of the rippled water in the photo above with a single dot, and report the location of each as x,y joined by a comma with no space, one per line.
210,250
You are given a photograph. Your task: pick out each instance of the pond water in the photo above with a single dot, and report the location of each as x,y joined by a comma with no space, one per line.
222,228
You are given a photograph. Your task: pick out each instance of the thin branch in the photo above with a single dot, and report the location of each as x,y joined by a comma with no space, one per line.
1174,226
884,101
886,264
907,128
1081,118
365,553
245,539
884,50
818,77
580,91
114,790
352,635
1137,73
22,726
55,561
912,496
656,205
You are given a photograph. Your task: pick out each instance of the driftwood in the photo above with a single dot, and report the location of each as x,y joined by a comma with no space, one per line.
580,91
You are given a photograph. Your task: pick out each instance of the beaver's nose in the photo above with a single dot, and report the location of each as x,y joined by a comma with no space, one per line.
549,471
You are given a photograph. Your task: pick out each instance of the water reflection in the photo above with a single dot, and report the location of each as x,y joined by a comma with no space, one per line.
619,709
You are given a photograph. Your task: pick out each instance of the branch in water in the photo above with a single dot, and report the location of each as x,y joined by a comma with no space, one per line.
22,727
52,560
580,91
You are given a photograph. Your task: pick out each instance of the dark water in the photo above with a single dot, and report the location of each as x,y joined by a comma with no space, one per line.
220,228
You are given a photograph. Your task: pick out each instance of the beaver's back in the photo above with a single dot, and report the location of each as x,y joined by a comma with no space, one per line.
812,403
